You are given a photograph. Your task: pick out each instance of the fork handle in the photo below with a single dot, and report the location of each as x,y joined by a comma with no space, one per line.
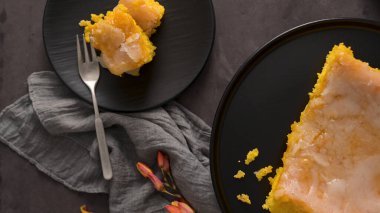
103,149
101,137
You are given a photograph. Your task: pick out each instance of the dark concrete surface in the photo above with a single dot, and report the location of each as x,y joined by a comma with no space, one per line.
242,27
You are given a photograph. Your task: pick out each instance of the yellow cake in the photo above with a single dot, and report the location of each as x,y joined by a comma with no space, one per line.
239,175
332,162
244,198
124,46
251,156
122,35
263,172
146,13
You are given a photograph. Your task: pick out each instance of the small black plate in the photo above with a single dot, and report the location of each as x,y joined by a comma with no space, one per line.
184,41
268,94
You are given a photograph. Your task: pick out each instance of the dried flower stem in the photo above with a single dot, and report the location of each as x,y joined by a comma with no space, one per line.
171,194
166,186
164,175
172,181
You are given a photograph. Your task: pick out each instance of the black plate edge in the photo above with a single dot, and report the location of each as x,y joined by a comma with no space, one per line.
101,108
240,74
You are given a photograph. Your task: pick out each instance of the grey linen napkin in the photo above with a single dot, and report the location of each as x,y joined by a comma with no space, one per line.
55,131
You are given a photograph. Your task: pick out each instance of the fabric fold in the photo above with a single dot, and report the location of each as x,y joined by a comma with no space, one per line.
54,130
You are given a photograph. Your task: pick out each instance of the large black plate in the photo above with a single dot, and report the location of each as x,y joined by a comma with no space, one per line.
183,41
268,94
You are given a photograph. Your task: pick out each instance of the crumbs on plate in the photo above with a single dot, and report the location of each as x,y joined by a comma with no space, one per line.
260,174
244,198
263,172
240,174
251,156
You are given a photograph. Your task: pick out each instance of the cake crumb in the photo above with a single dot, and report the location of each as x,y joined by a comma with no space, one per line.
83,209
270,179
244,198
263,172
240,174
251,156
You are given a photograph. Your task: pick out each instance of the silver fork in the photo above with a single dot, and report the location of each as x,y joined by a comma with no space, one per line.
89,72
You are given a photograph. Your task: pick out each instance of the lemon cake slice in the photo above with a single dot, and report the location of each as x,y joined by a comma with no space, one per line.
332,161
147,13
123,44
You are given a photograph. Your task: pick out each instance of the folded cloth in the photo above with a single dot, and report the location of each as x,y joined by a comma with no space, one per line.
55,131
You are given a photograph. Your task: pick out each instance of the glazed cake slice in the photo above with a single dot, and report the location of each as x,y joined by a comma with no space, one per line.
146,13
124,46
332,162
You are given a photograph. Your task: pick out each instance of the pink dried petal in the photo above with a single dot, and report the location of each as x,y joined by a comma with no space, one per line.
144,169
160,159
157,183
166,165
185,208
172,209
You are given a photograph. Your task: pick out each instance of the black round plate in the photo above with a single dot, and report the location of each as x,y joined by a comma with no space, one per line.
268,94
184,41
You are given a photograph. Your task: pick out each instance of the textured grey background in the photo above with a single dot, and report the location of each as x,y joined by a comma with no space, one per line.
242,26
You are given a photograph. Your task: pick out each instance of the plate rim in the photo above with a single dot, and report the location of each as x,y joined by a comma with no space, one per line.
110,109
240,75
